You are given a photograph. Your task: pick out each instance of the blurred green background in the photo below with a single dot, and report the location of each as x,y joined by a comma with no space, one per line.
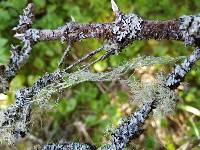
87,110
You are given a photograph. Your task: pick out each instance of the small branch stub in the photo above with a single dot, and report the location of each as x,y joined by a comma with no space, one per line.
73,19
115,8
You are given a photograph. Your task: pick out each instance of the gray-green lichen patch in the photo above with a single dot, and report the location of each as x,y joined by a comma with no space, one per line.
127,27
190,28
178,74
68,146
74,78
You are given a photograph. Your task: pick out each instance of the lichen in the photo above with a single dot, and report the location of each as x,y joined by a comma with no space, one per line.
178,74
68,146
190,28
33,34
71,79
25,19
145,92
127,27
128,129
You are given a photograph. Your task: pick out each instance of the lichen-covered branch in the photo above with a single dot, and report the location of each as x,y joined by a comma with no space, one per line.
130,26
129,129
69,146
123,31
19,56
180,71
17,116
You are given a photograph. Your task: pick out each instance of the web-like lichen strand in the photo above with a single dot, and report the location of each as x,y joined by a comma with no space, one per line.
144,92
77,77
190,28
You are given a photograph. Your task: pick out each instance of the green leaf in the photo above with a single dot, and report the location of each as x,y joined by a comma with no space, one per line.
91,120
3,42
4,17
190,109
149,142
67,106
39,63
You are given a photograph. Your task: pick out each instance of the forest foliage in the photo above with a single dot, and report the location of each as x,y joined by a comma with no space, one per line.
97,106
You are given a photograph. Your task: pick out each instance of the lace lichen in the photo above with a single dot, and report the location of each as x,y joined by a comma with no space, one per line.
145,92
15,119
71,79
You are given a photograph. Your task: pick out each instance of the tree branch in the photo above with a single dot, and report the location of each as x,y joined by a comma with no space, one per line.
73,31
19,56
122,32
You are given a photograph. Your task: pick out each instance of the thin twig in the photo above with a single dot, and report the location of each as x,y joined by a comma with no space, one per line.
84,58
64,56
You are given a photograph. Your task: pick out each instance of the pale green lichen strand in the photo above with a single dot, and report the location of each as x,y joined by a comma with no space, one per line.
71,79
145,92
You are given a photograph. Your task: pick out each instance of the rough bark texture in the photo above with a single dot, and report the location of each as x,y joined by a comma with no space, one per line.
150,30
